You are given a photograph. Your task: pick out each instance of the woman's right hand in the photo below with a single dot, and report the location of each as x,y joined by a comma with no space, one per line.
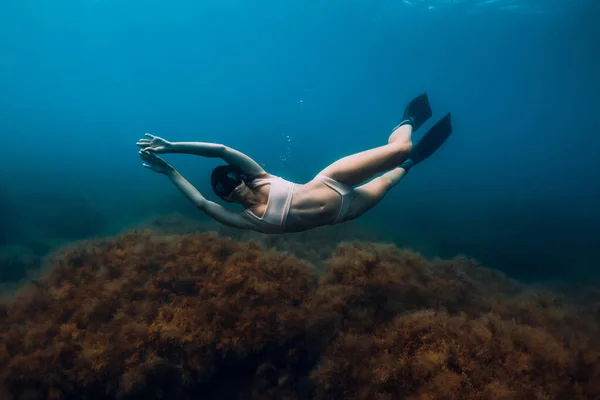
155,144
155,163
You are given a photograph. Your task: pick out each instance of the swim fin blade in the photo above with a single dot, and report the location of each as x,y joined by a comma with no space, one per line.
417,112
432,140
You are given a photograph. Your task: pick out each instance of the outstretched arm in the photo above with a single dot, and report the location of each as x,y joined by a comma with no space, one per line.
229,155
213,210
212,150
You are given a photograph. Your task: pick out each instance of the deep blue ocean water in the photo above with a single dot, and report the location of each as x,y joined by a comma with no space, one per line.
297,85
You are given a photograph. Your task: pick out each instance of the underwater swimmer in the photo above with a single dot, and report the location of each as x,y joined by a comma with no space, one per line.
341,192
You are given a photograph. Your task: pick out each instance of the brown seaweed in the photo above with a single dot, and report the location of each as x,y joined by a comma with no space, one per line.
204,316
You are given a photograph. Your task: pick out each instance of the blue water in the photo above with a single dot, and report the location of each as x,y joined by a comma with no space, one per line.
298,84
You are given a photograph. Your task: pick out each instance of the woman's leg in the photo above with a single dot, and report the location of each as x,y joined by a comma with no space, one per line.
368,195
360,167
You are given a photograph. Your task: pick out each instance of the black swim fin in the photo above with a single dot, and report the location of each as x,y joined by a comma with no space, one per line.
417,112
432,140
429,143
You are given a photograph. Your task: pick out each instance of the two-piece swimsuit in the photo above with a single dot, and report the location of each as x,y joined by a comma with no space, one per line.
280,201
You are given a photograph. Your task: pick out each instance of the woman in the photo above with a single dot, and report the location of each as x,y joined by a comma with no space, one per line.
341,192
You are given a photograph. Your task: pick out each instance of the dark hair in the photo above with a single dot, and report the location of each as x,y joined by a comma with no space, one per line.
225,178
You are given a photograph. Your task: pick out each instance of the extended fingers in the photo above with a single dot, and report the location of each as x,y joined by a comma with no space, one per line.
143,140
150,157
148,161
146,156
149,147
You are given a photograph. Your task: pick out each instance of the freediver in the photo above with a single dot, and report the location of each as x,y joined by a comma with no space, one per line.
341,192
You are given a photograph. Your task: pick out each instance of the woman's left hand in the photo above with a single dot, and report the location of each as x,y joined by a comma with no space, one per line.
155,163
155,144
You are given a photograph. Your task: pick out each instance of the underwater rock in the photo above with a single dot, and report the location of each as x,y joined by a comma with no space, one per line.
142,316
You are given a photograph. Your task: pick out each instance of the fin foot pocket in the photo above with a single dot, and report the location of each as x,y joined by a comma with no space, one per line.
417,112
